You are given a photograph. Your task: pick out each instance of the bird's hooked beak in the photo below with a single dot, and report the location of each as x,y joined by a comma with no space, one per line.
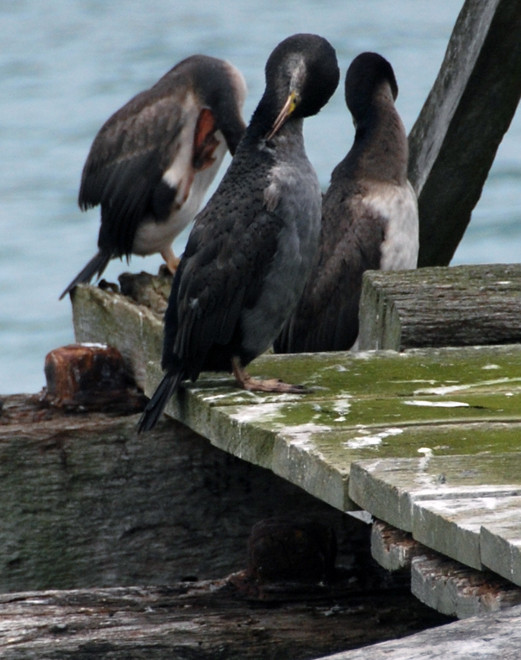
287,110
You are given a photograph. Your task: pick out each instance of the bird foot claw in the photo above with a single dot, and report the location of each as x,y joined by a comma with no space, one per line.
272,385
250,384
171,261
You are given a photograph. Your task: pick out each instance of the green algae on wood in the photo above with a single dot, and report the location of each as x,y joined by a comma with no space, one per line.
359,406
421,406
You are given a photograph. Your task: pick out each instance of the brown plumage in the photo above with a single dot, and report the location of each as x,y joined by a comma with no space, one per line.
152,161
369,216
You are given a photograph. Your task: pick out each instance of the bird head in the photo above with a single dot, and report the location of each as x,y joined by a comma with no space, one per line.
223,90
301,75
369,74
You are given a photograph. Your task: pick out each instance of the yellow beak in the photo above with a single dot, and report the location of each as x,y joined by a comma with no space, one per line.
287,110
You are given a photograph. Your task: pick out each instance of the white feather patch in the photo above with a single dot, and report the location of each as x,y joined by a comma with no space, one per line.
154,236
399,206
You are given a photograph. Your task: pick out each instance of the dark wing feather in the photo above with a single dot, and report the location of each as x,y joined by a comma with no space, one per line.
326,317
127,160
227,255
96,266
160,398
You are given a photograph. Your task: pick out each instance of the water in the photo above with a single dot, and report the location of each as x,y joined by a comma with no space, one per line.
66,66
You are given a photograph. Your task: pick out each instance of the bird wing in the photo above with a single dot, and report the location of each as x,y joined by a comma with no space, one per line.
222,272
127,160
326,317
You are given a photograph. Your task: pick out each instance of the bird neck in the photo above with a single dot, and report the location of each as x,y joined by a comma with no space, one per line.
288,136
380,148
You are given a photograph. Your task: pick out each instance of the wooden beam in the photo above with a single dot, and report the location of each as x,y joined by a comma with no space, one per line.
454,141
428,307
206,620
456,590
494,636
85,502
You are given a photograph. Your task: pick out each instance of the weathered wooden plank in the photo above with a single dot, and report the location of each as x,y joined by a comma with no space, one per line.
389,489
455,138
456,590
453,526
116,509
208,620
464,403
393,548
446,585
312,441
447,503
135,330
501,545
493,636
360,406
85,502
430,307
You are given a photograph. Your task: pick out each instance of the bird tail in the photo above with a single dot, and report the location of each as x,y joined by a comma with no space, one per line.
96,266
159,399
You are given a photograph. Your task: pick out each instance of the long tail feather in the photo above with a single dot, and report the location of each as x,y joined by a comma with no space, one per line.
96,266
159,399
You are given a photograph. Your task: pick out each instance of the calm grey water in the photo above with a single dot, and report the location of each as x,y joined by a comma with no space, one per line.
67,65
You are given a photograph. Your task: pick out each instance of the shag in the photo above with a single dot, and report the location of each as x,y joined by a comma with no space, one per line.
369,216
153,160
252,246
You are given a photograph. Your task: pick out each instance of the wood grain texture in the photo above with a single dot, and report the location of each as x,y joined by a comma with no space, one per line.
455,138
431,307
207,621
85,502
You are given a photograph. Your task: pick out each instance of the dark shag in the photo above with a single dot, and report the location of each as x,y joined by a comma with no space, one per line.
369,216
252,247
153,160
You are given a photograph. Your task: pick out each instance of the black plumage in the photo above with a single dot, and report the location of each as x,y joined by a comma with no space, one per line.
251,248
152,161
369,216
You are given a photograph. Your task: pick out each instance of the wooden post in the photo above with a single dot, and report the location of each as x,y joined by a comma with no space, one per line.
454,141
